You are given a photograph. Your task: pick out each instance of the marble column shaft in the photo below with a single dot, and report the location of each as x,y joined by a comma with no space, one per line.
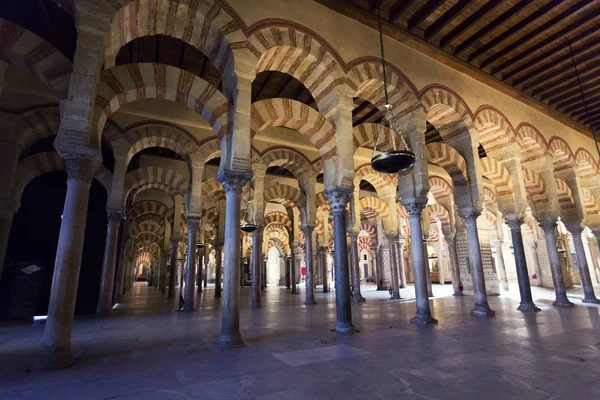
190,278
394,267
218,268
257,260
357,296
586,280
6,219
549,225
310,268
325,270
122,264
521,263
401,267
107,281
293,272
338,198
481,304
173,268
56,347
454,267
501,266
427,270
230,322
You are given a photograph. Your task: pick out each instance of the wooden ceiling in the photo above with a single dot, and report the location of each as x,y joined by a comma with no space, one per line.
521,43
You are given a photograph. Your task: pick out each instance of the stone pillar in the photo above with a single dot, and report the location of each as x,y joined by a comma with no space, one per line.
193,223
423,314
338,198
257,260
199,273
427,271
402,267
122,265
263,275
521,263
357,296
7,213
56,347
107,282
454,267
310,269
218,268
163,271
173,273
379,270
230,324
548,225
293,272
325,270
481,304
536,263
501,267
394,267
586,280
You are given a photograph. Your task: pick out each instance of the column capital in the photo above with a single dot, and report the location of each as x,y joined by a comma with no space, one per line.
414,208
515,222
193,222
392,237
469,214
338,198
308,230
114,216
353,236
80,167
575,230
233,181
548,224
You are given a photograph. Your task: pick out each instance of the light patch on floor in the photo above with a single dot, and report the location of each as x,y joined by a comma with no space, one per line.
321,354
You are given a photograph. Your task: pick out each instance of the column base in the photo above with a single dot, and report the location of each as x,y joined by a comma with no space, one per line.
482,310
528,307
186,309
423,320
310,302
255,305
226,341
344,327
458,294
430,295
54,360
325,291
591,301
358,299
395,297
562,302
102,314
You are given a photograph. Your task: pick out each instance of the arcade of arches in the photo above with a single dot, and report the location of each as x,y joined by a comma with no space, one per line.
139,136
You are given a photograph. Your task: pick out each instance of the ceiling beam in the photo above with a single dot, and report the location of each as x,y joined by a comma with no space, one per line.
423,12
579,107
540,30
373,5
558,35
491,26
546,68
525,22
469,22
564,81
576,91
398,8
368,115
591,115
442,21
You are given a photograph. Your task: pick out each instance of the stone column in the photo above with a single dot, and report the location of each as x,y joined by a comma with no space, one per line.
402,267
454,267
199,272
427,270
163,271
256,266
481,304
310,272
521,262
536,263
173,273
7,213
218,269
293,272
379,270
338,198
501,267
263,275
394,267
230,324
107,282
586,280
56,347
122,264
357,297
193,223
548,225
325,270
423,314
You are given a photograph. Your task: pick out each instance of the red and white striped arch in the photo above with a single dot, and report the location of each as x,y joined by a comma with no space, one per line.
498,174
439,213
291,159
151,207
372,206
377,179
278,218
590,205
562,154
565,195
162,177
585,163
532,143
439,187
285,195
495,132
450,160
535,186
446,111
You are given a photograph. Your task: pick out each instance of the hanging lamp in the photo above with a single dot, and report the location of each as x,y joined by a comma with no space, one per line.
249,225
390,161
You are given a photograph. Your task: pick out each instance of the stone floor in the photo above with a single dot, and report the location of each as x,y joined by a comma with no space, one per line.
148,351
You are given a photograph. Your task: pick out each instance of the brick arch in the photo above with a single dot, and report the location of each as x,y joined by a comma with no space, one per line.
366,134
148,226
285,195
206,25
279,218
365,78
491,218
25,50
42,163
212,188
585,163
30,126
434,236
149,237
297,116
495,131
286,157
372,206
274,242
451,161
153,185
321,202
161,177
590,204
498,174
370,230
151,207
446,110
125,84
565,195
439,213
377,179
535,187
562,154
294,50
531,141
490,195
439,187
210,215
